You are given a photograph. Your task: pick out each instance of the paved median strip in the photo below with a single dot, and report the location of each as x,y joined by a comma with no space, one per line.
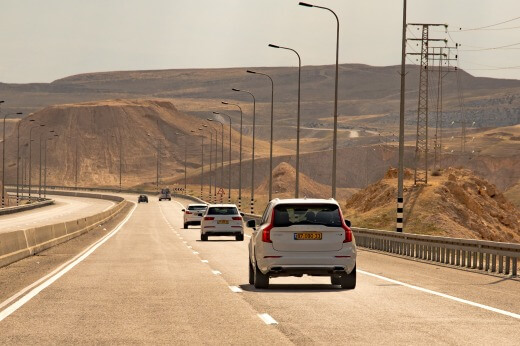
267,319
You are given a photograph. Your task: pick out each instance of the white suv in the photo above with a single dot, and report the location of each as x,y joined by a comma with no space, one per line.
223,220
302,236
193,214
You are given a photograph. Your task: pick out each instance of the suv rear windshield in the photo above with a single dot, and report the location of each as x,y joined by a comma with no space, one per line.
197,207
286,215
222,211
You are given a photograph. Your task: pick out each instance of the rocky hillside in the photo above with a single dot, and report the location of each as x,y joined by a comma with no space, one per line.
457,204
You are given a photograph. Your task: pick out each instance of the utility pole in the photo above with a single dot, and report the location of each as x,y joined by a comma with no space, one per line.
400,200
421,144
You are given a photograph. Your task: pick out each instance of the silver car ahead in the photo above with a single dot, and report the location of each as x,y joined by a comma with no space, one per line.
302,236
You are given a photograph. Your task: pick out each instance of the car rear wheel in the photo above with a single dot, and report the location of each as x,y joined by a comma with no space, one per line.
251,274
335,280
348,281
260,279
204,237
239,237
185,226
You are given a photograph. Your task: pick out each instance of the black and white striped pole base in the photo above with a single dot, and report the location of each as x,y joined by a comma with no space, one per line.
399,224
252,206
239,203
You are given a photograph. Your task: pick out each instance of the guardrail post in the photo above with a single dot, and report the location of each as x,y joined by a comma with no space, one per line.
500,264
508,265
474,264
487,262
493,263
514,267
480,261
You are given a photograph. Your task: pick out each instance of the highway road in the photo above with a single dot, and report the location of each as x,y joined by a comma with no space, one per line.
150,281
64,209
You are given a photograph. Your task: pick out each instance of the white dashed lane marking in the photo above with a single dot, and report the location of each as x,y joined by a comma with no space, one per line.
267,319
216,272
236,289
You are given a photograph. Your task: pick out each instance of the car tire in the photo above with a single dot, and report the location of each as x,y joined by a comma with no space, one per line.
335,280
251,274
204,237
348,281
185,226
261,280
239,237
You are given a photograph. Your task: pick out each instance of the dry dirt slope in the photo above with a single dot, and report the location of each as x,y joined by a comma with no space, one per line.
97,129
456,204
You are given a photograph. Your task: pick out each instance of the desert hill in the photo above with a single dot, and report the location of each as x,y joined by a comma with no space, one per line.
457,204
143,127
284,178
364,91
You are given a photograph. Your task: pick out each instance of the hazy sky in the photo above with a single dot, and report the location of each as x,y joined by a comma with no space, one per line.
45,40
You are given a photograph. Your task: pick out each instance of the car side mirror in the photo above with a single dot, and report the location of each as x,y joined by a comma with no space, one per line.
348,223
251,224
242,214
183,209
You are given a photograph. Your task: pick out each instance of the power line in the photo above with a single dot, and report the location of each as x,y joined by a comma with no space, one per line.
487,26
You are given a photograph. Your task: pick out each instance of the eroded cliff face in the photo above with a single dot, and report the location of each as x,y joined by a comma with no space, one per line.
457,204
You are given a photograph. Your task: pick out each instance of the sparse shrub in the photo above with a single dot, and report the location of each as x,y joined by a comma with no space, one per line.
437,173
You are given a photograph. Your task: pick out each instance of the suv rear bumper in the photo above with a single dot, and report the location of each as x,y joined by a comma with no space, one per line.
276,271
223,233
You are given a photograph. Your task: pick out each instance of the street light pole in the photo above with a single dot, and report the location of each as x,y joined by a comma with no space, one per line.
45,170
271,140
18,163
240,158
221,157
3,159
253,153
335,136
297,183
185,156
30,157
229,159
202,161
213,171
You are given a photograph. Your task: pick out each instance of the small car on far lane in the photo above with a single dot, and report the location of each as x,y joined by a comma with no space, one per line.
142,198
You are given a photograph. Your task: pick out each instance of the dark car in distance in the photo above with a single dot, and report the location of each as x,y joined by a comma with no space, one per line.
142,198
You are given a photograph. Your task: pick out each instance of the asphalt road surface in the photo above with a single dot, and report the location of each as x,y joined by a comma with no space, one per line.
150,281
64,209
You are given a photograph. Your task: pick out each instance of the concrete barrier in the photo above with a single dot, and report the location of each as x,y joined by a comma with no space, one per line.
17,245
18,208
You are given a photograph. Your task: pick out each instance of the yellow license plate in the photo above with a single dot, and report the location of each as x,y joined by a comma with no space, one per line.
308,236
222,222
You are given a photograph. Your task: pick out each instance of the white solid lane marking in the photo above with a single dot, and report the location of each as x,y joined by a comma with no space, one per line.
204,261
237,289
267,319
460,300
52,277
216,272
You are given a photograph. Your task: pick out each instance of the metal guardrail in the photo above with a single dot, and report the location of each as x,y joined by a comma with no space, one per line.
482,255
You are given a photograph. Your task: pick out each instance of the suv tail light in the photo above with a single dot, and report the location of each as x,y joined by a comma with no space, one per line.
209,218
348,231
188,212
266,232
237,218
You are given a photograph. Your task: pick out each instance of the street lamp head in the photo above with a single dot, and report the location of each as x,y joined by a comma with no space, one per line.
205,125
305,4
2,101
224,103
216,113
19,113
42,125
273,46
32,120
235,89
208,119
249,71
